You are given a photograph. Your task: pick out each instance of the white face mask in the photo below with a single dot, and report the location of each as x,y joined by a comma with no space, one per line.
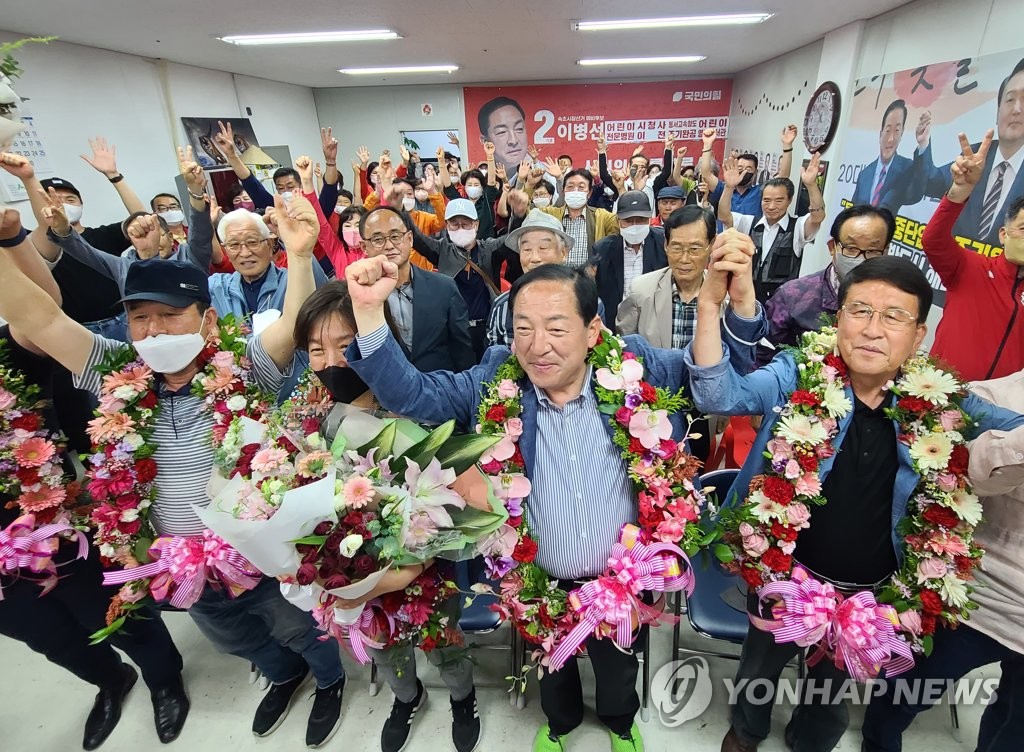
339,209
462,238
575,199
408,203
635,234
474,191
73,213
173,216
541,201
845,265
170,353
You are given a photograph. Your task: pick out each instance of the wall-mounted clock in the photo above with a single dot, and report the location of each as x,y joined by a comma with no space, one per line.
822,117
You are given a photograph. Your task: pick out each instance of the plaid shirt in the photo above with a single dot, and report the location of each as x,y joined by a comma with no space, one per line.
797,306
684,320
577,228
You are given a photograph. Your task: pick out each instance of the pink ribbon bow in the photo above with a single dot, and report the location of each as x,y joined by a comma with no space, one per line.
357,634
661,567
24,546
600,601
183,566
857,632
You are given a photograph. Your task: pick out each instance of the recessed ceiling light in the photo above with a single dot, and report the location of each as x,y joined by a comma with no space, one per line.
399,69
641,60
722,19
311,37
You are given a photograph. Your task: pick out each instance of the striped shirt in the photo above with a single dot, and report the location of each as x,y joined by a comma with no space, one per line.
577,228
184,454
497,323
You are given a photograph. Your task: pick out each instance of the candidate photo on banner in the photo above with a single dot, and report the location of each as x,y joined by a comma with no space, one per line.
903,137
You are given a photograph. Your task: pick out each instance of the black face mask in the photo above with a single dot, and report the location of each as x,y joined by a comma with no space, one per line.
747,178
343,383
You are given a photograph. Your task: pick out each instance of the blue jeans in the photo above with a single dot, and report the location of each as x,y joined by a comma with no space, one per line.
265,629
955,653
115,328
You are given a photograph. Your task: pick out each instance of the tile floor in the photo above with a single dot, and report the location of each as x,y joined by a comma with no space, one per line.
43,711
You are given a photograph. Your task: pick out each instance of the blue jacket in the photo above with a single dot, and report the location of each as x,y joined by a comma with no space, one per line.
720,389
227,297
442,395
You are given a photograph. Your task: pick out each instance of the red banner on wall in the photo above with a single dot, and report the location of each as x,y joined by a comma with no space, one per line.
566,118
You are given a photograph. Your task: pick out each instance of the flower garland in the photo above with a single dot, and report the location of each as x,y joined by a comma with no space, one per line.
938,529
661,470
123,472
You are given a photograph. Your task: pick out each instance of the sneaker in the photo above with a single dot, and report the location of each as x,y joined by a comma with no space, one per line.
631,741
275,705
395,734
546,742
465,723
325,717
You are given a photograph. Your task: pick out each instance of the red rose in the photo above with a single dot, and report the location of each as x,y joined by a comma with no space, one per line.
364,565
959,460
623,415
777,561
148,400
525,551
26,422
427,644
496,413
914,404
783,533
491,468
635,447
306,574
941,516
322,528
803,397
752,576
515,521
648,393
927,624
145,470
336,581
964,565
779,490
931,603
808,462
130,528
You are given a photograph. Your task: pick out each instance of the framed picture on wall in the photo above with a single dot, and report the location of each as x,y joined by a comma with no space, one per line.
201,131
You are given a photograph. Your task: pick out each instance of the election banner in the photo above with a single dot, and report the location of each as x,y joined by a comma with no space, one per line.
567,118
903,136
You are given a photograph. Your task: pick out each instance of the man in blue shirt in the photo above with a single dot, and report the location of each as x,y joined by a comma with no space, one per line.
746,199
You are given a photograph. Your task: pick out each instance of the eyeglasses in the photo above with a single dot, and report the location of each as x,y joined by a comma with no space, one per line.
167,207
892,318
692,250
379,241
851,251
252,244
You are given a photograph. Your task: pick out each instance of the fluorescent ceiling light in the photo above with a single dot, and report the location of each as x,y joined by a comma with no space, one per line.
399,69
641,60
723,19
311,37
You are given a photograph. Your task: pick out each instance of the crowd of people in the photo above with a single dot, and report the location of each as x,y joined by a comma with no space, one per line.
408,290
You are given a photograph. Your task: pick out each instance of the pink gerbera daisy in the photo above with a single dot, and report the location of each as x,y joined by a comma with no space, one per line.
137,377
46,497
34,452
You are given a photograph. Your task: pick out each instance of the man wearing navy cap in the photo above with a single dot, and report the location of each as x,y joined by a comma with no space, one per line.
670,198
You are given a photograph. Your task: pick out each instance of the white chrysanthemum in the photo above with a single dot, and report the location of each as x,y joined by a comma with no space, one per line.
930,384
954,590
766,510
967,507
835,401
932,451
236,402
134,440
799,429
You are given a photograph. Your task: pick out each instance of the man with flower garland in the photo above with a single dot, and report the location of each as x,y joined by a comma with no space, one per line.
856,459
169,321
581,493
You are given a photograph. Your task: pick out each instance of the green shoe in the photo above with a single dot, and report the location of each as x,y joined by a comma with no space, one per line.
545,742
631,742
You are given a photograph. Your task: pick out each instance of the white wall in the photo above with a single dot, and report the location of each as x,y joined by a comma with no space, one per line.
78,92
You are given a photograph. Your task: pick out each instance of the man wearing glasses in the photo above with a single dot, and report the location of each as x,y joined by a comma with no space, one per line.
428,313
859,233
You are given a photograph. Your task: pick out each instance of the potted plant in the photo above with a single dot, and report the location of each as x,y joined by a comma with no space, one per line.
10,70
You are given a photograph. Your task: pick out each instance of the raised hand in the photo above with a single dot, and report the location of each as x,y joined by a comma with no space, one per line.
789,135
533,151
144,234
371,281
317,170
195,178
809,174
104,156
215,211
708,136
638,151
969,166
602,144
524,167
489,150
304,166
670,140
733,254
619,181
731,172
640,179
330,144
453,139
225,138
17,165
518,202
53,213
501,173
429,181
595,173
406,156
10,223
553,169
297,224
923,132
364,156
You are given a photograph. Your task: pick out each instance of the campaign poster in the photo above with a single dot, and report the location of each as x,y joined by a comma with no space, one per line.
902,138
567,118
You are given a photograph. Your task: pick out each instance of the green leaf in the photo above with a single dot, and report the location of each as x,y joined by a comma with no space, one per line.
338,445
424,451
142,550
462,452
927,642
384,441
723,553
607,409
97,637
310,540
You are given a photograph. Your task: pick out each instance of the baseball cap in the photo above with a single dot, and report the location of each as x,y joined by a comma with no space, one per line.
633,204
175,283
60,183
671,191
460,207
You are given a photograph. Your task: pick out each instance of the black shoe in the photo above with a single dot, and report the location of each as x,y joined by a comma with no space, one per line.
395,734
170,709
106,710
275,705
325,717
465,723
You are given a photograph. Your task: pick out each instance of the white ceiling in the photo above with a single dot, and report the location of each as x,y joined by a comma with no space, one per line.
510,40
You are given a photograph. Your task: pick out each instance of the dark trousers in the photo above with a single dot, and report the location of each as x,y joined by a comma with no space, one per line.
954,653
478,336
58,626
818,721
